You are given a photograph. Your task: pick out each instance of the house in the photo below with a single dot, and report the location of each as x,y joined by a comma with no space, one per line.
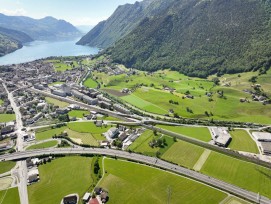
33,178
104,196
112,132
123,136
62,111
7,129
71,199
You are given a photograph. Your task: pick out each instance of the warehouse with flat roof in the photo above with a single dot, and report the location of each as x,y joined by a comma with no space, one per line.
262,136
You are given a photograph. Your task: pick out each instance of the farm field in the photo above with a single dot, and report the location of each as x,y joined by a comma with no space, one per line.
141,144
200,133
43,145
132,183
234,200
90,83
241,141
10,196
149,95
183,153
7,117
56,102
44,134
246,175
61,177
80,132
6,166
78,113
87,127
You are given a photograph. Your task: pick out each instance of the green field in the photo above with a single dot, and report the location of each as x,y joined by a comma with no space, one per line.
61,66
149,95
6,166
241,141
1,101
78,113
246,175
132,183
200,133
234,200
10,196
90,83
89,136
48,133
183,153
141,144
56,102
7,117
87,127
43,145
61,177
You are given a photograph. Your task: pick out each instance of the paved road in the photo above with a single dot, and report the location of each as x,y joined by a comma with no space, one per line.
144,159
22,169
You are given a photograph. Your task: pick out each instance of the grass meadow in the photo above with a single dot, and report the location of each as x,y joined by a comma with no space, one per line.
7,117
61,177
10,196
132,183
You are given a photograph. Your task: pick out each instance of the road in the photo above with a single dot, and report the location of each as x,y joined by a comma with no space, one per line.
251,196
22,169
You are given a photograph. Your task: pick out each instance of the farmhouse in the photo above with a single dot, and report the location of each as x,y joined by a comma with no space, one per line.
262,136
220,136
112,132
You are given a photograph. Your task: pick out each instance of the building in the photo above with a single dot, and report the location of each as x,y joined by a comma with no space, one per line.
104,104
112,132
86,197
58,92
266,147
37,117
90,101
262,136
220,136
121,109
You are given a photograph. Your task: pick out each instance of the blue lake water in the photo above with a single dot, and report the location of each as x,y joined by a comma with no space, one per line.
42,49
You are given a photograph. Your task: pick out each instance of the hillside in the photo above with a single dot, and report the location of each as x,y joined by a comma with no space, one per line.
16,35
47,28
123,21
198,37
8,45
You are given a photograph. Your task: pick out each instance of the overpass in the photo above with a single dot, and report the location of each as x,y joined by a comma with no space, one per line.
248,195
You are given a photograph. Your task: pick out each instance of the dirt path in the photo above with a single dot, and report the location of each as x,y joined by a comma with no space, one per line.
202,160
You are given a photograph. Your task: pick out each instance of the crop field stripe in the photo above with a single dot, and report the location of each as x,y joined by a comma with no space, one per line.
203,158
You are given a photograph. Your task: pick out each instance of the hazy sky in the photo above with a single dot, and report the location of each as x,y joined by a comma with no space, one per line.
78,12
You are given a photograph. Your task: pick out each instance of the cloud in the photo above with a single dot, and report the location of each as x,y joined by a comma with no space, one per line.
16,12
87,21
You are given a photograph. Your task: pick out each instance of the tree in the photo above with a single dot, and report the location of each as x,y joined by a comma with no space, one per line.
96,167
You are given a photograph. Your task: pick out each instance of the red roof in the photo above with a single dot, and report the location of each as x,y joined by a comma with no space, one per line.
93,201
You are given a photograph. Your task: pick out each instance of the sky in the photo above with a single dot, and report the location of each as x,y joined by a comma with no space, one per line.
77,12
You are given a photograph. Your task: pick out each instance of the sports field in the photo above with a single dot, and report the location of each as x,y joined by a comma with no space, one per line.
78,113
183,153
61,177
10,196
132,183
200,133
241,141
43,145
141,144
246,175
6,166
7,117
56,102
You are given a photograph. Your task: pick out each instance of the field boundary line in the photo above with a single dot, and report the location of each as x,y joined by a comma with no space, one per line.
202,159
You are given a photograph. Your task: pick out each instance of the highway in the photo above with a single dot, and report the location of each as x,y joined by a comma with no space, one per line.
22,169
251,196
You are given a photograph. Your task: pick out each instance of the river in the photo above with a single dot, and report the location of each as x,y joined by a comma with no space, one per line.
42,49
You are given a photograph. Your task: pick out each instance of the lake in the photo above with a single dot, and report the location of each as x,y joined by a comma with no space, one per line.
42,49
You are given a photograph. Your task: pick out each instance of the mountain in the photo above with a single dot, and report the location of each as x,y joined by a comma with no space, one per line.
84,28
195,37
123,21
8,44
47,28
16,35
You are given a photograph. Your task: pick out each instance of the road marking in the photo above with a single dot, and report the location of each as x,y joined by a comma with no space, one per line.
202,160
